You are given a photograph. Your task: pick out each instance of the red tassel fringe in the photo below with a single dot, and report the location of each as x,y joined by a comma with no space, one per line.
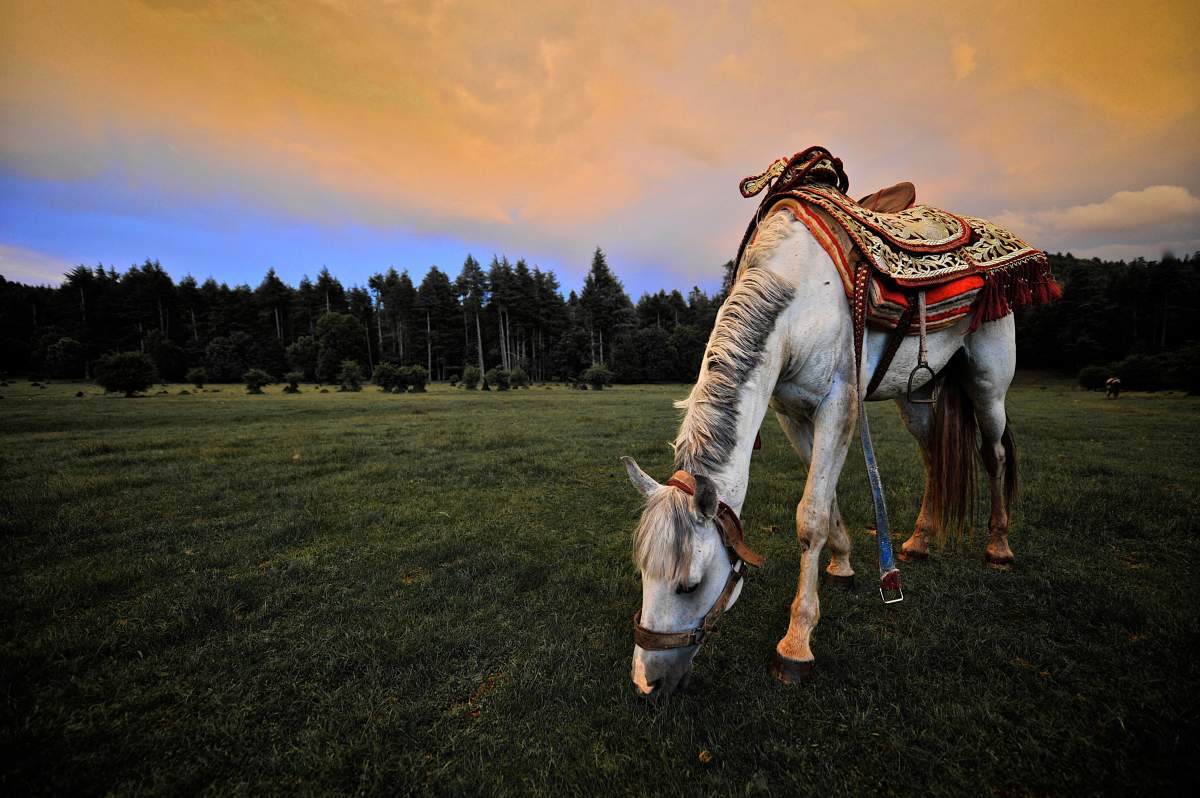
1010,288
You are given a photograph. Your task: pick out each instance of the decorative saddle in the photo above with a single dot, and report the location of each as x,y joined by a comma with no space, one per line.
894,248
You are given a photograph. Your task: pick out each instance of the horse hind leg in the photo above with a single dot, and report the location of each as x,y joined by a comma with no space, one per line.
1000,460
839,572
918,418
991,363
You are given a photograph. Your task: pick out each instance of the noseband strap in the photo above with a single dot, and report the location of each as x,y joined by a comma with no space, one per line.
732,535
662,641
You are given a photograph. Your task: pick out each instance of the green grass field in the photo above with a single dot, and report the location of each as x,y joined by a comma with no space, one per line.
431,593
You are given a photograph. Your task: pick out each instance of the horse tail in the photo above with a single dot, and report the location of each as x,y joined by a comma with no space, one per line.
952,452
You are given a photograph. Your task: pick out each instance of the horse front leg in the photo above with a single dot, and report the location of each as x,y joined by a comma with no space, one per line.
839,572
833,424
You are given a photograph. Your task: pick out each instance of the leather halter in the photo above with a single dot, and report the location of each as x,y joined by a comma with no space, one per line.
740,555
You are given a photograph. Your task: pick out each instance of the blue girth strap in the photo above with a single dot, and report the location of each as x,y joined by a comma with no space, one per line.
889,574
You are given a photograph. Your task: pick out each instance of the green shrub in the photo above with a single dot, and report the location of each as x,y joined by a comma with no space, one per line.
517,378
255,379
350,376
227,357
64,358
301,355
417,377
293,379
390,378
470,377
339,338
598,376
128,372
197,376
1092,378
498,378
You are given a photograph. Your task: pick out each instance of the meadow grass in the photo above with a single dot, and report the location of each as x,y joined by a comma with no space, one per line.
431,593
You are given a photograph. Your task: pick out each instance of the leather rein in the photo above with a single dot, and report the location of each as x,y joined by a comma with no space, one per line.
740,555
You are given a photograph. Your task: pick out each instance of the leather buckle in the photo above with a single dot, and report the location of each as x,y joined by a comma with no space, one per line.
889,586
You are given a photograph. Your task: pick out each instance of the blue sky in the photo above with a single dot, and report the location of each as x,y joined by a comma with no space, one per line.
102,220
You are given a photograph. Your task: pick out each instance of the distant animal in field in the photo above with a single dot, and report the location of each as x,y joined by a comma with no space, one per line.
1112,387
803,332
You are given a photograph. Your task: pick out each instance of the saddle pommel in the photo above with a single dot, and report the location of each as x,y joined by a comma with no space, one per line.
755,183
813,165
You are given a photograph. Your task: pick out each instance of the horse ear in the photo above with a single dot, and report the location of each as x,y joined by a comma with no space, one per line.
640,479
705,501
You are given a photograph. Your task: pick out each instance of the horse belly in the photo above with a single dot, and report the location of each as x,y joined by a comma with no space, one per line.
941,347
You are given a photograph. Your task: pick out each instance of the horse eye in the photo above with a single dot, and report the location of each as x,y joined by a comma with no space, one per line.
686,588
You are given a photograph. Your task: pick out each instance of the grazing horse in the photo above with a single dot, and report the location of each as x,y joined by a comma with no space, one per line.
783,341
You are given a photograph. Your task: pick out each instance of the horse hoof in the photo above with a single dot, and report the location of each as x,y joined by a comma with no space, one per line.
912,556
840,581
790,671
999,563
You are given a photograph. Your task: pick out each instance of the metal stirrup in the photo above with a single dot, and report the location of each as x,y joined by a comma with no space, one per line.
922,357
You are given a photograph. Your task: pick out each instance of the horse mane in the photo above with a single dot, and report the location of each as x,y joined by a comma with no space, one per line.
708,433
662,542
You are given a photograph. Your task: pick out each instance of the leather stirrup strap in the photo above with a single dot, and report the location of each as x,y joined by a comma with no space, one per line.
893,346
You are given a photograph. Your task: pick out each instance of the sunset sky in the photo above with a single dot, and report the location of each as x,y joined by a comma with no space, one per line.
226,138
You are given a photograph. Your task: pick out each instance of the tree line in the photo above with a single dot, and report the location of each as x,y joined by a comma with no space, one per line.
505,317
1135,318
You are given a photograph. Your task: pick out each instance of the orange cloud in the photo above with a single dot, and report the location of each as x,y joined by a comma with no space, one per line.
1127,210
1155,209
559,126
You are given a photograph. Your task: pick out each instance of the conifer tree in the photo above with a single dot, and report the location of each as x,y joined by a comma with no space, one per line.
471,287
605,304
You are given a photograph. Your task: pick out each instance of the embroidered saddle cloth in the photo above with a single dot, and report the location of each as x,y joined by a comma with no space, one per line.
946,300
965,265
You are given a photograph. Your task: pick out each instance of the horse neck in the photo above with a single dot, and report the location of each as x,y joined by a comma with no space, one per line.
721,422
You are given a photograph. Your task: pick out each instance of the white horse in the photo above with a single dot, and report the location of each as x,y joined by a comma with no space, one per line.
783,340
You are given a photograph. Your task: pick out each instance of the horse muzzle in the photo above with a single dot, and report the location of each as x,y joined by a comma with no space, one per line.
659,674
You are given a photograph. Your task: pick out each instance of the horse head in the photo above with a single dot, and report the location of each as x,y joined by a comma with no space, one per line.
689,577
